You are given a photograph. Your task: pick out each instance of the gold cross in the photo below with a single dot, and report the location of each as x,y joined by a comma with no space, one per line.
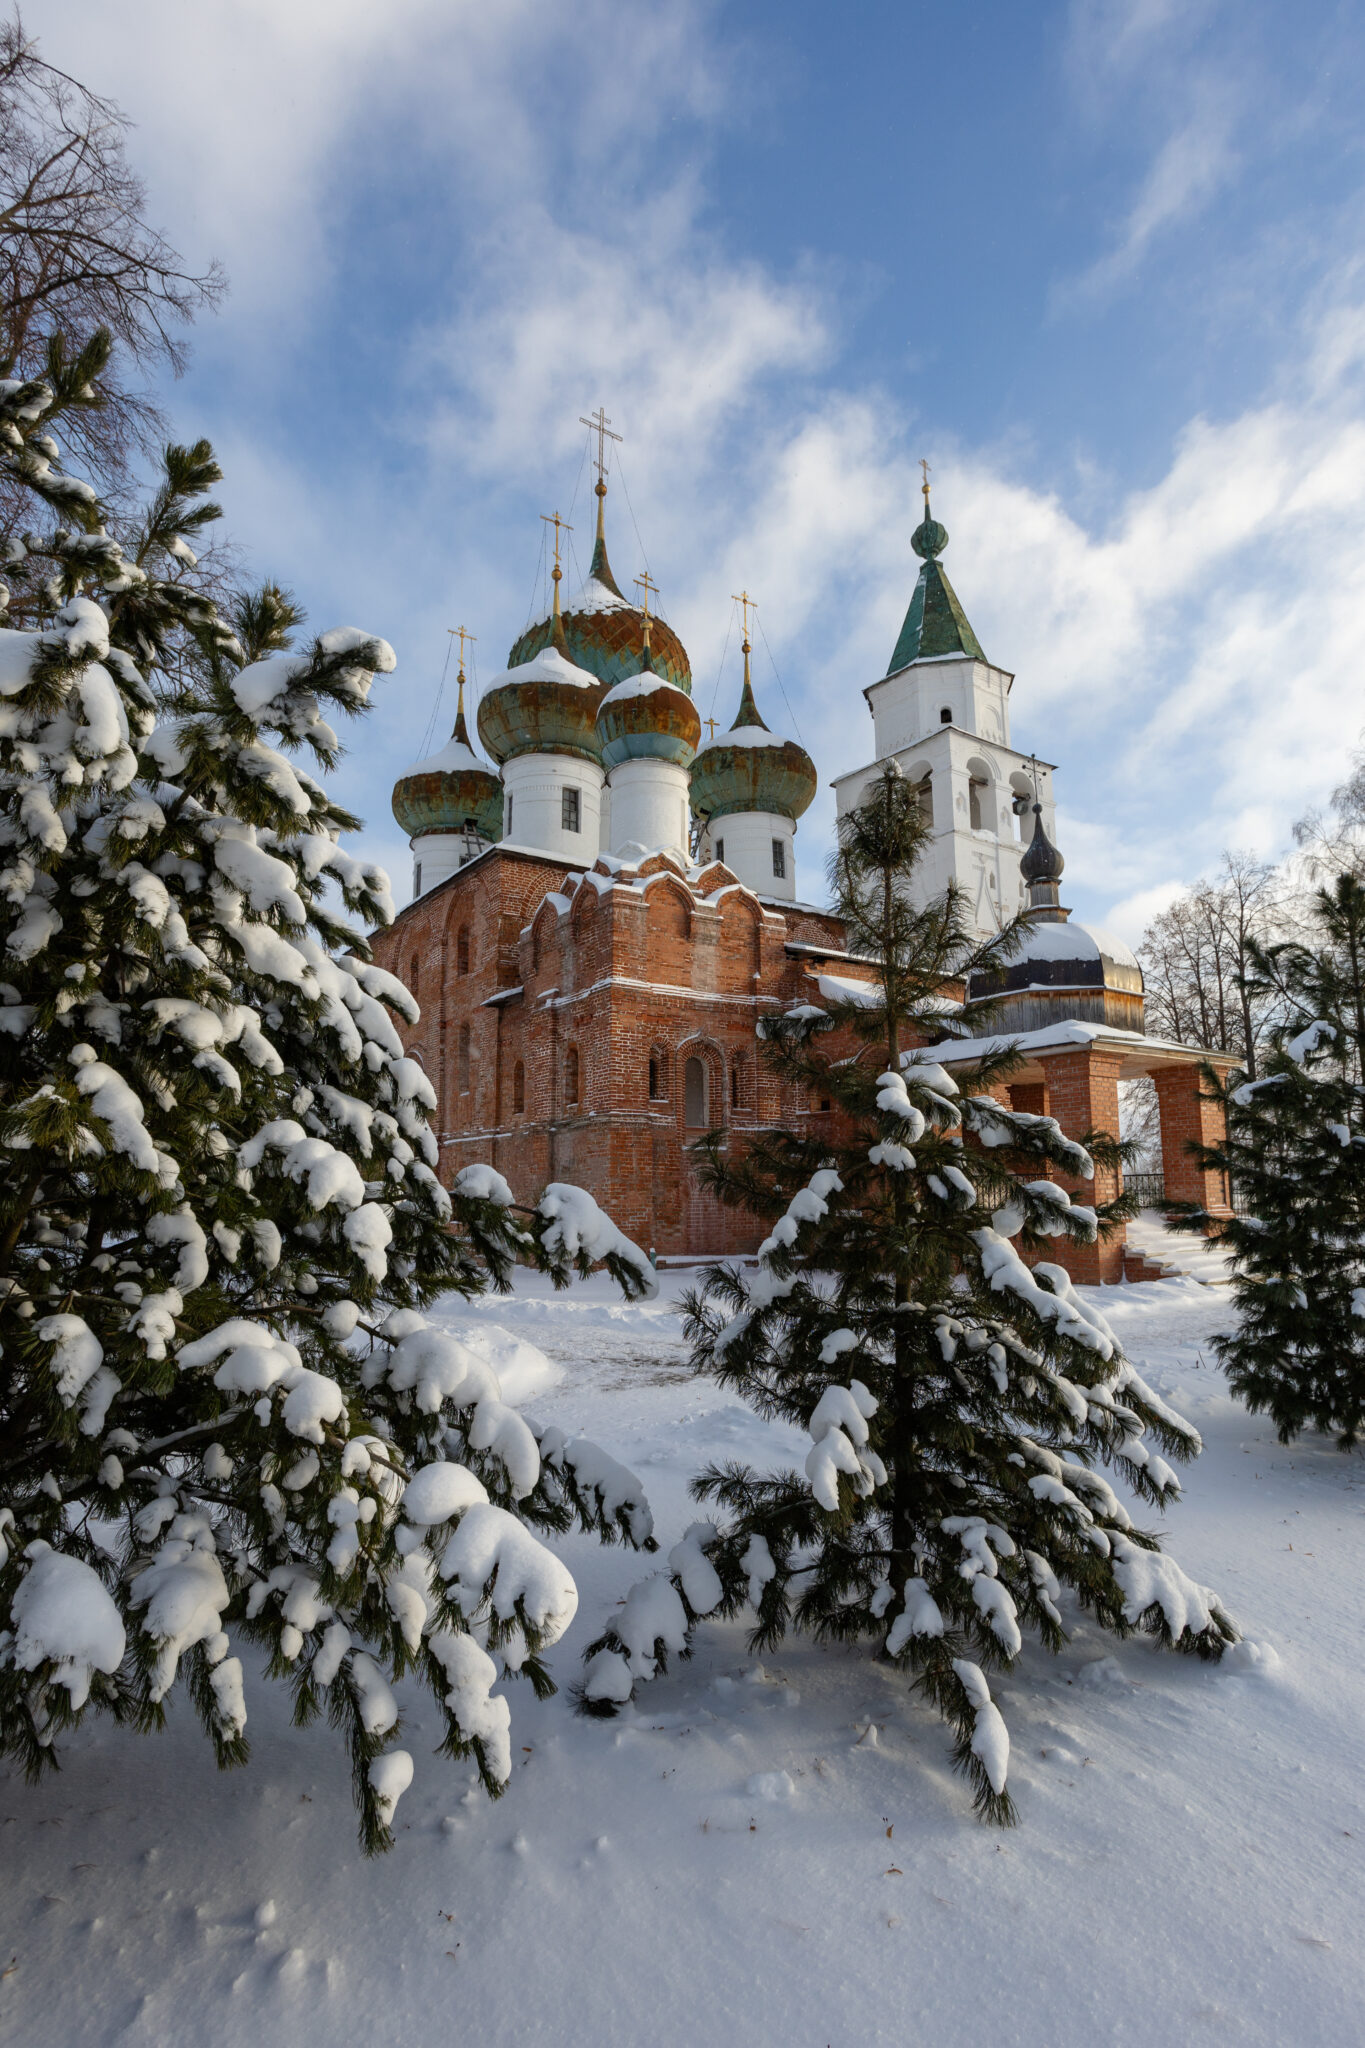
553,519
713,723
601,426
470,637
925,485
646,585
743,598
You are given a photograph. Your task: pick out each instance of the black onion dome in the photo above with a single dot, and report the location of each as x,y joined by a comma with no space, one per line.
1041,861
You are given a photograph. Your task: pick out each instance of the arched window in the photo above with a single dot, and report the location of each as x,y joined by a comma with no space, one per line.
974,789
694,1094
571,1074
654,1080
518,1089
980,802
462,950
463,1075
736,1086
945,716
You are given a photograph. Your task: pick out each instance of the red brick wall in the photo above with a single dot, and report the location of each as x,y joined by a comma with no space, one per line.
1187,1115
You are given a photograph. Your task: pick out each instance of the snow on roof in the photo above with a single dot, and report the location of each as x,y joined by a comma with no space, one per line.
595,597
743,736
968,1051
643,684
1073,942
453,758
836,989
549,666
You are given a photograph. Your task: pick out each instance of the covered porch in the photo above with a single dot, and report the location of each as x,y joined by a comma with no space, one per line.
1071,1071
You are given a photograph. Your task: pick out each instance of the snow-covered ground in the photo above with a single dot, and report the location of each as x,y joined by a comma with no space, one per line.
773,1853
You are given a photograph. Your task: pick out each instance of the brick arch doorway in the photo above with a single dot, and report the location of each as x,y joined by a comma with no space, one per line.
708,1226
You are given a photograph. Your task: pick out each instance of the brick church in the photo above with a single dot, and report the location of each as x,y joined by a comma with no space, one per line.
600,920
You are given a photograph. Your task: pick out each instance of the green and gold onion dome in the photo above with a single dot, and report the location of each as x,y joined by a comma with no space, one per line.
750,768
646,717
451,790
603,632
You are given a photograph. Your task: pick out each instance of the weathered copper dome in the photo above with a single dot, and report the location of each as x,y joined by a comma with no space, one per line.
451,790
750,768
604,633
647,718
545,705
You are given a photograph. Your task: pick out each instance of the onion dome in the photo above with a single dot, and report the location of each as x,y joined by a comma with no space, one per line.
646,717
545,704
1041,861
603,631
450,791
1062,971
750,768
935,625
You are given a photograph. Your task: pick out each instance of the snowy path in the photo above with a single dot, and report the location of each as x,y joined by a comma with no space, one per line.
1188,1867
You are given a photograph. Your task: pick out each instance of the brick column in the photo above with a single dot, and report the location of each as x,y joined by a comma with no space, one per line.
1189,1116
1083,1095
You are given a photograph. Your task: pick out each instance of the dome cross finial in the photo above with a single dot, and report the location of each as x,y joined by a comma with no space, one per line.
461,730
599,424
559,525
645,584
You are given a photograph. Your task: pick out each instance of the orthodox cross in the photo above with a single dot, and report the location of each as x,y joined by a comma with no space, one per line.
743,598
645,584
924,468
713,723
601,426
472,638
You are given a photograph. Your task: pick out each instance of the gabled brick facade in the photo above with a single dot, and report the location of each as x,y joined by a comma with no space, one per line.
553,1003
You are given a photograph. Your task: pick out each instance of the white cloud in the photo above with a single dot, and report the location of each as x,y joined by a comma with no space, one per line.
1190,664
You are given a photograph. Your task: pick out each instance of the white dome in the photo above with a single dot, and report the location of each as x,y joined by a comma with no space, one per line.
1072,941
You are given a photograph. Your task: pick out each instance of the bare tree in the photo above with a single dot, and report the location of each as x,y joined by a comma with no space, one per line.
77,254
1193,954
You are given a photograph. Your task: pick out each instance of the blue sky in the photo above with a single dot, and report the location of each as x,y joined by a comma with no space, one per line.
1101,262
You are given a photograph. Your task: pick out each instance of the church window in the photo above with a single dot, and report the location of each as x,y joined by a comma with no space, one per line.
736,1086
417,878
413,966
654,1080
569,810
720,851
924,796
945,716
462,950
780,859
464,1060
694,1095
509,814
571,1074
518,1089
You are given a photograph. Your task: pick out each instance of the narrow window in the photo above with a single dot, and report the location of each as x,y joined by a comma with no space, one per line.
568,810
924,791
464,1059
654,1080
734,1086
508,833
720,851
694,1095
779,860
571,1074
417,878
413,968
518,1089
974,789
462,950
945,716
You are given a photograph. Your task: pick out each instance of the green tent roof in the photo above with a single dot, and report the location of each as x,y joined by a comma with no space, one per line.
935,624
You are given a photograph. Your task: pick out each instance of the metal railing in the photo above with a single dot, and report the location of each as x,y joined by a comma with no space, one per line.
1148,1187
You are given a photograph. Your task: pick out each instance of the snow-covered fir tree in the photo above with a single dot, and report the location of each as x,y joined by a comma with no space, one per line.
958,1398
224,1417
1294,1154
